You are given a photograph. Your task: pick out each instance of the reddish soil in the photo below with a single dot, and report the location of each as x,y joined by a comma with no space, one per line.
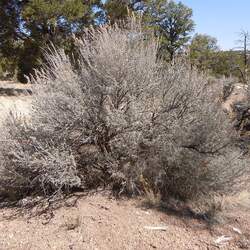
99,222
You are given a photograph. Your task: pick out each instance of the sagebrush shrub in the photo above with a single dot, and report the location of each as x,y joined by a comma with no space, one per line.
117,116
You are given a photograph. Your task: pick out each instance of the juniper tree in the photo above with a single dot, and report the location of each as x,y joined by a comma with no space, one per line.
36,23
203,49
172,23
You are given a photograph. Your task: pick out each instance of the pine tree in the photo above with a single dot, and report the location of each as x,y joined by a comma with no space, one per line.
203,50
10,34
172,23
36,23
116,10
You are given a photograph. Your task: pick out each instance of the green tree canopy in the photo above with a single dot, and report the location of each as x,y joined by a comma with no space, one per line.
28,26
116,10
207,56
10,34
172,23
34,24
202,50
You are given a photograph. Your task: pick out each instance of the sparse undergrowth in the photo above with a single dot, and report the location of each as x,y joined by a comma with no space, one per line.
120,118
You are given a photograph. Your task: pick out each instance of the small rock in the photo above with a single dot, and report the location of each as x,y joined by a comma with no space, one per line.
222,240
237,230
157,228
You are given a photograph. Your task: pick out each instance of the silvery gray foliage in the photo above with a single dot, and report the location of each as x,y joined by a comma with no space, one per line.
118,116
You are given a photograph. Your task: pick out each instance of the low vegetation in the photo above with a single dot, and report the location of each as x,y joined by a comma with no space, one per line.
118,117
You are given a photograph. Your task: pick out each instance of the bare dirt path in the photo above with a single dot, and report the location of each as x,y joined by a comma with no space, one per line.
19,104
98,222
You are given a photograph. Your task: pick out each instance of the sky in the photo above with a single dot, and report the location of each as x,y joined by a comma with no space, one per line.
222,19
